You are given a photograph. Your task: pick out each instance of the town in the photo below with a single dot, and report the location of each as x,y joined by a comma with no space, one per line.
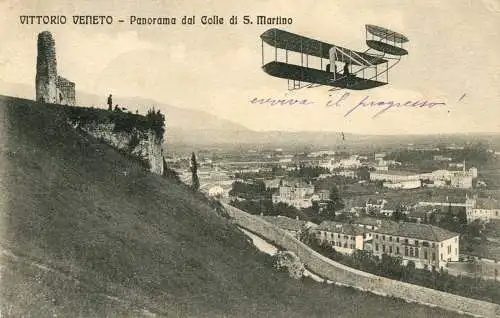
434,208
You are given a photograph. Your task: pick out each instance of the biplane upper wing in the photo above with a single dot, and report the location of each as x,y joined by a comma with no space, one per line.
297,43
386,34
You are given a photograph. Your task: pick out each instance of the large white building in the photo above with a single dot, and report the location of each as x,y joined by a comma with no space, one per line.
426,245
394,176
344,238
297,194
484,209
456,179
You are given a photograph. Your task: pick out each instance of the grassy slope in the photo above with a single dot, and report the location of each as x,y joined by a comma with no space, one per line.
102,227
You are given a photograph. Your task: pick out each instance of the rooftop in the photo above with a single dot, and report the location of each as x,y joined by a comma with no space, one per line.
487,203
368,221
344,228
395,173
416,231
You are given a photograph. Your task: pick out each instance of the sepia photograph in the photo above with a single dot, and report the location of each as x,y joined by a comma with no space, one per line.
268,158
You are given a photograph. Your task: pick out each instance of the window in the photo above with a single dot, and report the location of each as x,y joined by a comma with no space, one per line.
397,239
383,248
417,254
425,254
390,238
345,244
346,237
433,245
406,250
353,238
390,249
425,244
441,256
433,257
416,242
376,236
406,241
383,237
376,247
411,251
397,250
353,246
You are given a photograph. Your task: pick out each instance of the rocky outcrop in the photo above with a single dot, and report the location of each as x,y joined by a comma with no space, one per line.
144,144
288,261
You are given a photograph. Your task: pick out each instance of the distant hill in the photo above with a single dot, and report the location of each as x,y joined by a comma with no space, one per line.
199,129
87,232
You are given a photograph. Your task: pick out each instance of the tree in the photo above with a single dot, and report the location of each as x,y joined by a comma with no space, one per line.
398,214
432,218
195,184
462,217
315,207
334,194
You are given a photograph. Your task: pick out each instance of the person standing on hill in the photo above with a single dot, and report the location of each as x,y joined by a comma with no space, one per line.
110,102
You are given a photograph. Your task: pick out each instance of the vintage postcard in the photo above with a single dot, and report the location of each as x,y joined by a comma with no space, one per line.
249,158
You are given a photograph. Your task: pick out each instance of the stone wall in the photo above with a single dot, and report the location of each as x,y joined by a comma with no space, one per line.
65,92
345,275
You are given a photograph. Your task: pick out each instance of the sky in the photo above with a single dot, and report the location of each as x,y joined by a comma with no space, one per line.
453,59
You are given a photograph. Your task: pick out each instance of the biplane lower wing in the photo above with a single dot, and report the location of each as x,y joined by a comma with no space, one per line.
315,76
386,48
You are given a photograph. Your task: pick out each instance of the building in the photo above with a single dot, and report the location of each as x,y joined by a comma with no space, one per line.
410,184
393,176
294,226
298,194
272,184
441,158
428,246
323,195
350,163
344,238
456,179
345,173
484,209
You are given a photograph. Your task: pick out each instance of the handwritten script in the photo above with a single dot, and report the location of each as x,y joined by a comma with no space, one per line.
345,100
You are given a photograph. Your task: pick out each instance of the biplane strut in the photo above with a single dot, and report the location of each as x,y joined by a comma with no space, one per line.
366,69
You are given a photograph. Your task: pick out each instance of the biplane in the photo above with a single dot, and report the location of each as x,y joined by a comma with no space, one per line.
361,70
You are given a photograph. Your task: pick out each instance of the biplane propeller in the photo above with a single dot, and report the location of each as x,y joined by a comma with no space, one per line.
361,70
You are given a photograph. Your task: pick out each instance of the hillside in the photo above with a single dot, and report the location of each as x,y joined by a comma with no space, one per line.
86,232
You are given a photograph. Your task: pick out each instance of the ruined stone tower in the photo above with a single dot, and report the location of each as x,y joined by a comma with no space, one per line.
46,69
51,88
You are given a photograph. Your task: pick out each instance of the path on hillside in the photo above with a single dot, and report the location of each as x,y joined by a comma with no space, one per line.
26,260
